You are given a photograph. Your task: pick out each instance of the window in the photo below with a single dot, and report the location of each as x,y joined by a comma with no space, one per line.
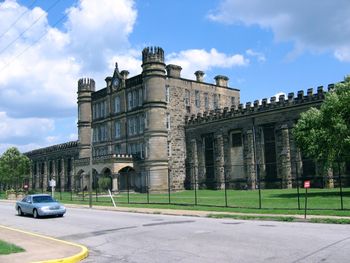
117,129
206,101
169,149
135,100
117,104
197,99
167,94
117,149
233,101
167,121
236,139
129,101
187,98
140,97
216,101
142,123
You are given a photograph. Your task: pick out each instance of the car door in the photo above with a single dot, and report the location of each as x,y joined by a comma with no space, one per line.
26,205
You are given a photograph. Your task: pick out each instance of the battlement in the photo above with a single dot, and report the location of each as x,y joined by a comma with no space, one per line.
152,54
260,106
86,84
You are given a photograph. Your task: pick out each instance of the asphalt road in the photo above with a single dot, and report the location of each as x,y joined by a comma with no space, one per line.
130,237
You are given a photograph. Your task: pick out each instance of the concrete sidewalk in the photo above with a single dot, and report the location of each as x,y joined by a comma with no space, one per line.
40,248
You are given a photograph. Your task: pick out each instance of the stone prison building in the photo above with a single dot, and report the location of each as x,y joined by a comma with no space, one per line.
157,130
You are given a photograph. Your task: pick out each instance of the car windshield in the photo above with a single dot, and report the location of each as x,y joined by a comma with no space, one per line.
43,199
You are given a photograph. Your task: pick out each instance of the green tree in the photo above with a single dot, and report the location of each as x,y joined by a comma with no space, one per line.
14,168
324,134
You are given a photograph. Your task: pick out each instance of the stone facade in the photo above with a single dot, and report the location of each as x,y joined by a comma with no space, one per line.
157,130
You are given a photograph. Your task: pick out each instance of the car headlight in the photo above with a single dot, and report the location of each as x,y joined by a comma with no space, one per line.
45,208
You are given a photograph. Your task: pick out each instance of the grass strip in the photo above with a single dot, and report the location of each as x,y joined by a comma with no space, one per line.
330,220
253,217
8,248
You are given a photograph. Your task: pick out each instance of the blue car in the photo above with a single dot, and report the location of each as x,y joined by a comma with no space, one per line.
39,205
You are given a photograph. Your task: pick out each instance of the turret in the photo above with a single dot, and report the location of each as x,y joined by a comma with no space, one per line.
85,88
156,133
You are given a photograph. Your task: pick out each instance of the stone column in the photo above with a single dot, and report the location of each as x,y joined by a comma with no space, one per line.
330,178
31,175
249,160
201,161
285,159
45,177
63,175
72,175
115,183
219,163
194,165
37,176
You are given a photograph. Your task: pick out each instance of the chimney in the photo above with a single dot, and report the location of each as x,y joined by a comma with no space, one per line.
173,71
221,80
199,75
124,74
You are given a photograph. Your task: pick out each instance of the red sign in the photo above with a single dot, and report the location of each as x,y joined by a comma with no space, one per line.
306,184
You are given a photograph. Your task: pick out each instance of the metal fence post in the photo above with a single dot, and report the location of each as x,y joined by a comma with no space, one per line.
195,186
169,170
297,179
225,182
340,188
147,182
127,187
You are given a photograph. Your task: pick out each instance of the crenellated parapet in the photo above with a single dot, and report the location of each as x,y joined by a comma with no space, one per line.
152,55
86,84
260,106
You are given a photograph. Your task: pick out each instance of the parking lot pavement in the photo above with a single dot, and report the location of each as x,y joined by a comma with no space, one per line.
40,248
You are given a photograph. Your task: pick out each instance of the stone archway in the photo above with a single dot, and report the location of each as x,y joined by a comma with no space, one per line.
129,180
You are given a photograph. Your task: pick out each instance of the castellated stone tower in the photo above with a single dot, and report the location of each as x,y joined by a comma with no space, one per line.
85,88
156,134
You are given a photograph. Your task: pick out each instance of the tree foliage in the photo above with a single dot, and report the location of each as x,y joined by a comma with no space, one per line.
14,168
324,134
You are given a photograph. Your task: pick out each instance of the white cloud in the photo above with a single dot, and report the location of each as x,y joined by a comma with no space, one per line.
259,56
14,128
199,59
40,69
314,25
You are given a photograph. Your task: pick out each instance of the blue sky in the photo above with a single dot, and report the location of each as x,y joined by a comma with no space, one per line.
265,47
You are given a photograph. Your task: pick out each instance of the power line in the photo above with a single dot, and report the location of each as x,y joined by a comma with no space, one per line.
33,44
30,26
18,18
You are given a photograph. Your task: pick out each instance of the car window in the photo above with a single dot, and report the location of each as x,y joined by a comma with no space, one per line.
43,199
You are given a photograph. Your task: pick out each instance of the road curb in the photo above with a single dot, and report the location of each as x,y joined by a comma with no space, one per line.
72,259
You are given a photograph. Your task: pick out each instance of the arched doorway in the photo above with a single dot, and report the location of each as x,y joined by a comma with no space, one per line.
129,180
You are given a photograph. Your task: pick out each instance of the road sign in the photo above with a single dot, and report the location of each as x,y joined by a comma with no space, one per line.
52,183
307,184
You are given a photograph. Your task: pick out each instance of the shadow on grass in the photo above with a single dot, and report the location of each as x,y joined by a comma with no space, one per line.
311,194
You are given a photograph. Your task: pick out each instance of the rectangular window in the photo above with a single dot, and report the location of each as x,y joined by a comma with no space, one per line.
129,101
169,149
233,101
117,104
206,101
187,98
140,97
167,94
168,121
236,139
117,129
197,99
135,99
118,149
216,101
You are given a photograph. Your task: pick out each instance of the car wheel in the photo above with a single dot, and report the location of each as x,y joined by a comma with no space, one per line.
19,211
35,213
60,215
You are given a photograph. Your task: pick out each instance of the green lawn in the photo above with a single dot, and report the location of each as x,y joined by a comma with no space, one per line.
277,201
7,248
